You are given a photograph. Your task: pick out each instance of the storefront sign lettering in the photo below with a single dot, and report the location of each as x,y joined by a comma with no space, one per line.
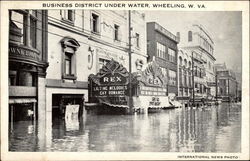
155,101
14,50
153,81
109,90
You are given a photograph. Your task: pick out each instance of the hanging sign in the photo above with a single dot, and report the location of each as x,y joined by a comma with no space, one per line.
109,84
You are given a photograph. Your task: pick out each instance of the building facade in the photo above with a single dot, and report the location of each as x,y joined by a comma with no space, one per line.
27,63
185,84
200,46
228,87
80,42
162,46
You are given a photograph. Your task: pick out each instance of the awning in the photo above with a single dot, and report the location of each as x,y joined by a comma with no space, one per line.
113,105
21,100
175,103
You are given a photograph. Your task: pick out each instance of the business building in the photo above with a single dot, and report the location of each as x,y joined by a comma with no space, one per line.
162,47
27,64
185,84
228,87
80,42
197,42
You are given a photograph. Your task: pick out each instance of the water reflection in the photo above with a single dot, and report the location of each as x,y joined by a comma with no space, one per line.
208,129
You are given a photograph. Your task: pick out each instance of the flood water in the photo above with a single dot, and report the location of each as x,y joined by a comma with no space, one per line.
207,129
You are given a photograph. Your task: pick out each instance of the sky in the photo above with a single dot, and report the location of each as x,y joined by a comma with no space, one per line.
225,28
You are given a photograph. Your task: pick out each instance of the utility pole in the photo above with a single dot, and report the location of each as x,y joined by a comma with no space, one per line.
193,75
236,98
216,87
129,54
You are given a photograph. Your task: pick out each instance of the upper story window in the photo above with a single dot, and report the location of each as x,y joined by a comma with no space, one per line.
26,22
190,36
172,55
161,50
95,23
68,16
137,40
164,71
172,77
70,47
117,34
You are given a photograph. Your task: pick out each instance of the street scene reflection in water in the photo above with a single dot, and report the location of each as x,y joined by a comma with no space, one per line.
207,129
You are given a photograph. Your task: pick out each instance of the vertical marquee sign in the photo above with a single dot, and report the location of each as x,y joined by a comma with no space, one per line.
109,85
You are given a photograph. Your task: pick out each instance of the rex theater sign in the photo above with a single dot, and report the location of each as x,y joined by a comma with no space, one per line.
109,84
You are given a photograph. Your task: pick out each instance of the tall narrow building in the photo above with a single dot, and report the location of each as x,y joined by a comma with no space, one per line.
162,47
27,64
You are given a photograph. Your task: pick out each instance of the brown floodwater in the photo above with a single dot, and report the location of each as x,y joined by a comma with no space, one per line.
207,129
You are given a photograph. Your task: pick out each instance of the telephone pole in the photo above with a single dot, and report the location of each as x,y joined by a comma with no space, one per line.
193,75
129,54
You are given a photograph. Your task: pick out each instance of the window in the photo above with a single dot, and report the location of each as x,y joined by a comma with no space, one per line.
102,62
33,20
164,71
68,63
21,19
172,77
161,50
190,36
137,40
68,16
171,54
95,23
70,46
117,32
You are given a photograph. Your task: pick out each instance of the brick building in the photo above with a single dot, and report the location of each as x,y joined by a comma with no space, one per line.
162,46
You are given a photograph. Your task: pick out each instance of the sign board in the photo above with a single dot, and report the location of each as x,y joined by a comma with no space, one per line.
210,84
109,84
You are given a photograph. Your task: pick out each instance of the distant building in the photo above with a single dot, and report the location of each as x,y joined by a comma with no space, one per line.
227,84
27,63
80,42
162,45
197,41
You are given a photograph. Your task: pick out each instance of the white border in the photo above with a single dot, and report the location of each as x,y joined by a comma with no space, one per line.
210,6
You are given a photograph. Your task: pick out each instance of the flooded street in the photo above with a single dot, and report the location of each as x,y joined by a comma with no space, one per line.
208,129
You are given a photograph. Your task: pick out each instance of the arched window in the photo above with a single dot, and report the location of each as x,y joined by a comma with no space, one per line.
69,47
190,36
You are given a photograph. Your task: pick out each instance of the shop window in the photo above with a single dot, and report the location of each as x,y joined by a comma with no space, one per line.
190,36
95,23
70,47
68,16
26,22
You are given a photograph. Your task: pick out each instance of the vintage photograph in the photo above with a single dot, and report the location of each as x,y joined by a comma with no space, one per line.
124,81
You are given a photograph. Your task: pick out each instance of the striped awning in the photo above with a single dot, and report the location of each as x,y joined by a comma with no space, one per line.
21,100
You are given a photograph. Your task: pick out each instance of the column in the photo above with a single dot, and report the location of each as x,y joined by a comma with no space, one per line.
41,113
